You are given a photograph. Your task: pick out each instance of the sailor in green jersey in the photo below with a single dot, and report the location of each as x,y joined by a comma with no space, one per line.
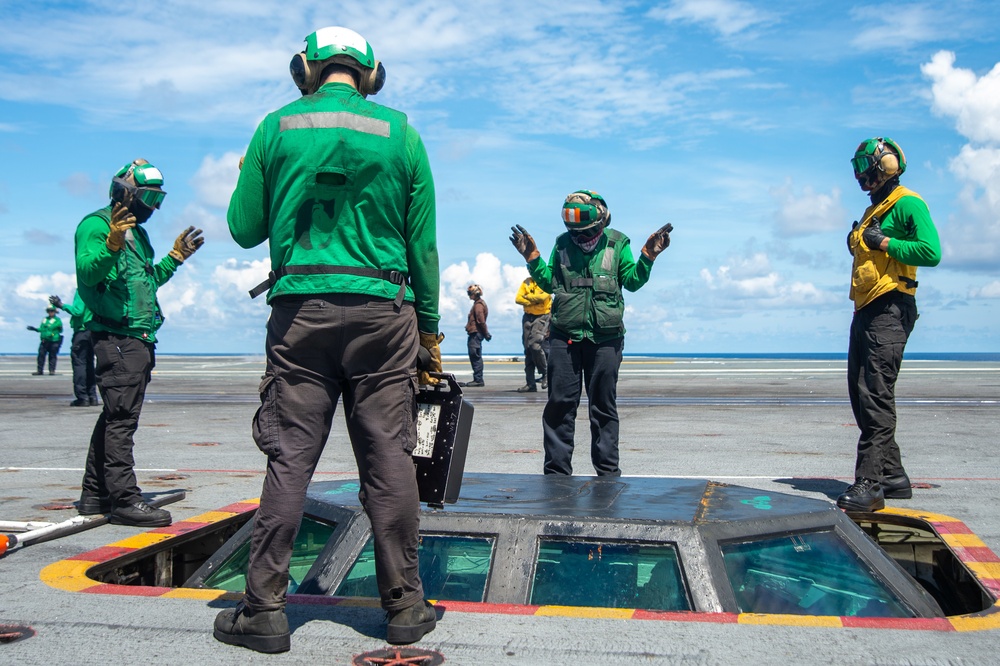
50,332
81,351
117,280
341,189
586,272
895,235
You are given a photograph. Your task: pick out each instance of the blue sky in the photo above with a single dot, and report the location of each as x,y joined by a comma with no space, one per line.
733,120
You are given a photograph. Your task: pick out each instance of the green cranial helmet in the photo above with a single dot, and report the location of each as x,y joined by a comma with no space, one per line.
876,160
339,42
341,46
142,180
584,209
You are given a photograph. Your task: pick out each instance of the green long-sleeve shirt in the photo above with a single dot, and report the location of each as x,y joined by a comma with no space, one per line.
333,179
913,238
120,287
51,329
79,315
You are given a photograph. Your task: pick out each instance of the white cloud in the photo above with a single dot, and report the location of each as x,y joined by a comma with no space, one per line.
752,278
991,290
727,17
807,212
899,28
216,178
40,287
973,238
498,280
974,102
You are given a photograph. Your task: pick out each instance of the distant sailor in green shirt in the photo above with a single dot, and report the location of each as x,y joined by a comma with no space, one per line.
51,333
586,272
81,351
895,235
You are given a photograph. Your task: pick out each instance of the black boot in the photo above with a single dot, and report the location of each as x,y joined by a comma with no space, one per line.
140,514
263,631
92,505
897,486
410,624
864,495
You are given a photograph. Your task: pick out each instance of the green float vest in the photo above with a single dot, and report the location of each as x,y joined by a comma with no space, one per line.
125,302
587,298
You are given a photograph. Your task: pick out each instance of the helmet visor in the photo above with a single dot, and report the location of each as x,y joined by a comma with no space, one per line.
862,163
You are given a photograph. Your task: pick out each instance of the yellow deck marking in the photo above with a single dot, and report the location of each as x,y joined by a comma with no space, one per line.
70,575
577,611
790,620
142,540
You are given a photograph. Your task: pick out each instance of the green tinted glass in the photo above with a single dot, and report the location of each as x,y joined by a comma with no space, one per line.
151,198
451,567
862,163
312,538
806,574
608,575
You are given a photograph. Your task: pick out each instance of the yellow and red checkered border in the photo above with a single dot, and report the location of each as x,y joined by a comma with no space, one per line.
71,575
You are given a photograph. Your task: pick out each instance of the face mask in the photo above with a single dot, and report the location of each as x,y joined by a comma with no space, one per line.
587,240
141,211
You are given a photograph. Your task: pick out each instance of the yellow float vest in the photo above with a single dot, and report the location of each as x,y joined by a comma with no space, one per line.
874,272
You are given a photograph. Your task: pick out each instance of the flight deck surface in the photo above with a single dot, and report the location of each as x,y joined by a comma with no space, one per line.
777,426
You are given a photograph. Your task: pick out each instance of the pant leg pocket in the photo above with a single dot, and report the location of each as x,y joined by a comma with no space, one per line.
408,436
265,421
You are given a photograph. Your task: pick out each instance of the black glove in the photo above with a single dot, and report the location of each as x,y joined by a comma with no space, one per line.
873,236
488,338
32,328
849,234
658,241
55,301
523,242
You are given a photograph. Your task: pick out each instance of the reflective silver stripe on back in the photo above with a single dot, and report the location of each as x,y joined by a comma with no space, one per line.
336,120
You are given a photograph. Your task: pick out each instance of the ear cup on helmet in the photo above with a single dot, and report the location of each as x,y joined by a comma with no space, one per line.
371,81
889,164
304,73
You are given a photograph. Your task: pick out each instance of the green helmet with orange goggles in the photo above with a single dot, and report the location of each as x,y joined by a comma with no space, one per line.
142,182
877,160
584,209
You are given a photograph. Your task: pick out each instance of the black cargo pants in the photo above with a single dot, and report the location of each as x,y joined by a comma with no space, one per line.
879,332
320,349
597,365
534,330
123,371
82,359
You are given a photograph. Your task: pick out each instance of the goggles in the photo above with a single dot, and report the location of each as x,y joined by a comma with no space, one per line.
586,234
862,163
149,197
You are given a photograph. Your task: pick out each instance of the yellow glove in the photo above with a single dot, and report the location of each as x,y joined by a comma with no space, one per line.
187,244
121,221
432,343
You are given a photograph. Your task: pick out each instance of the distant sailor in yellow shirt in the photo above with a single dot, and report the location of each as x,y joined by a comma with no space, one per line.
534,332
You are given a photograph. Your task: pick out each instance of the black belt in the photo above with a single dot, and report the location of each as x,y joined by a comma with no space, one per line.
395,277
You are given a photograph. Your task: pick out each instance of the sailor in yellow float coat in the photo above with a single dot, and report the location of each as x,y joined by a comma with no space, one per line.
895,235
